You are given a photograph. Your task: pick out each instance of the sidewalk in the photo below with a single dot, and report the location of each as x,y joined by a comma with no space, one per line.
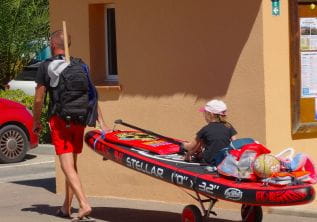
36,201
307,210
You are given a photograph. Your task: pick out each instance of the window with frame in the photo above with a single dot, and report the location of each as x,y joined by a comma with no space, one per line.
303,61
110,44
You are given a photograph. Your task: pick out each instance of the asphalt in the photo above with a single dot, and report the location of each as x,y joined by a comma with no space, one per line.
35,199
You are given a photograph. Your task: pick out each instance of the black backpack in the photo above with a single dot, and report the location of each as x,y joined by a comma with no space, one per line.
70,98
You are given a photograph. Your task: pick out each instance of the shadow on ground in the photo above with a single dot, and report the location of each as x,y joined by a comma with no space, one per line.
120,214
29,157
47,183
135,215
42,209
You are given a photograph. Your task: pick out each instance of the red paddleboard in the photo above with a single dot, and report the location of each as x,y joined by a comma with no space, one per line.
158,156
193,176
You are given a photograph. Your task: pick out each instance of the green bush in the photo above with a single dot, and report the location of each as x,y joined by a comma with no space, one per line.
21,97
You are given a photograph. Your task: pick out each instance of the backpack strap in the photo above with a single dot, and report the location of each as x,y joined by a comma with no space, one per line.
93,95
93,99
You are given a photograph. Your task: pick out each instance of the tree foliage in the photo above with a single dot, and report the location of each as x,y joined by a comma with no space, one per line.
24,29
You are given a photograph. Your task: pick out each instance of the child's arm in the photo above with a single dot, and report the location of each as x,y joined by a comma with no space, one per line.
193,146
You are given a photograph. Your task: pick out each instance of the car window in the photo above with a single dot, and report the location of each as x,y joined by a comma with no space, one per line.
27,75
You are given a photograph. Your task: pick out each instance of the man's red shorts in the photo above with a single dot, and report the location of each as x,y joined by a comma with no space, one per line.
66,139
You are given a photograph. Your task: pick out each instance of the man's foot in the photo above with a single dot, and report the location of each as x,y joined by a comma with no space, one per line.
84,211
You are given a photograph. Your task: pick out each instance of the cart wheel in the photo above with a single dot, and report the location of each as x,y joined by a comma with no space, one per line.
191,213
251,213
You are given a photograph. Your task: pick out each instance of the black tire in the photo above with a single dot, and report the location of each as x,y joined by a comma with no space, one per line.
191,213
13,144
251,213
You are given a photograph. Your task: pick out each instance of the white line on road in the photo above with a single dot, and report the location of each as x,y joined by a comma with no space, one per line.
28,164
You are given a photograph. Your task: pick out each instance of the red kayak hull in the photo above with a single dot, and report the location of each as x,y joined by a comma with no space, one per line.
196,176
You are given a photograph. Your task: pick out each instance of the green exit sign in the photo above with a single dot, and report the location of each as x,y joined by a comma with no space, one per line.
276,7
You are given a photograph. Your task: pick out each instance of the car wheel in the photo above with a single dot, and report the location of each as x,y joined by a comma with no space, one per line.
13,144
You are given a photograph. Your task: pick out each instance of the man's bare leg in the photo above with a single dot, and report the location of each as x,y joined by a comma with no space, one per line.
69,194
67,161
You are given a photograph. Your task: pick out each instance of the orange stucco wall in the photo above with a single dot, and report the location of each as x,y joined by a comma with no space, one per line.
173,56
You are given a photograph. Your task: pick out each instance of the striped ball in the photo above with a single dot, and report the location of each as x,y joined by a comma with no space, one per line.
266,165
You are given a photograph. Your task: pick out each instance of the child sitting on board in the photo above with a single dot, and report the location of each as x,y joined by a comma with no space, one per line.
213,137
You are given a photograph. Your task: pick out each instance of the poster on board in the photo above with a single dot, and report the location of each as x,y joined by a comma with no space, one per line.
308,57
308,34
308,74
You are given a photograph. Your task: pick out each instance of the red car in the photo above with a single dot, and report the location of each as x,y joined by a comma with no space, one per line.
16,135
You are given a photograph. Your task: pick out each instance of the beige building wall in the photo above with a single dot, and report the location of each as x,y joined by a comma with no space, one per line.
173,56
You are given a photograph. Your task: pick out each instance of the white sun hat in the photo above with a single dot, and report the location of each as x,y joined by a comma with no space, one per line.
215,106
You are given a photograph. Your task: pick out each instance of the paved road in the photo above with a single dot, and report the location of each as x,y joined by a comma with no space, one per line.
27,193
39,163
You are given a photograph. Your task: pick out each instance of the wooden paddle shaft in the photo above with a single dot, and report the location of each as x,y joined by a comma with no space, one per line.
67,57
